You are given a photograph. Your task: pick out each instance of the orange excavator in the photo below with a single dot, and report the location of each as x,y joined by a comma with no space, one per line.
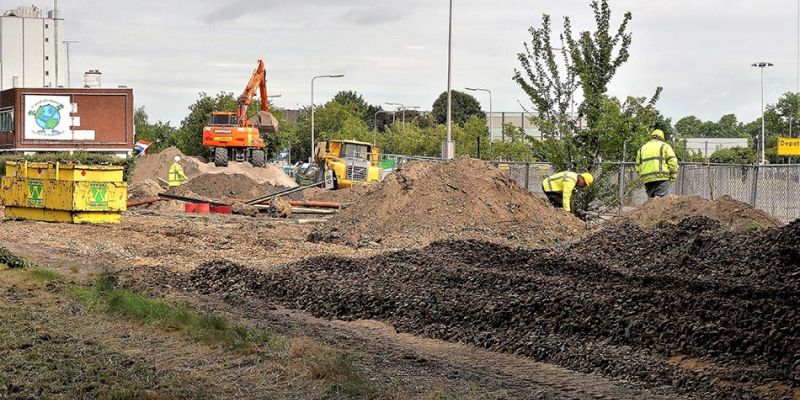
233,137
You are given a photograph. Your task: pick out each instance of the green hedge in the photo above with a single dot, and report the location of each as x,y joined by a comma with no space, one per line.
76,158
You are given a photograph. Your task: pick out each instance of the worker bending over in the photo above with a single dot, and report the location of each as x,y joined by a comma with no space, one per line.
558,187
657,165
176,175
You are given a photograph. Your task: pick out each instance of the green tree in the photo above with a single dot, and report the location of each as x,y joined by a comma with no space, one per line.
464,106
189,137
160,134
737,155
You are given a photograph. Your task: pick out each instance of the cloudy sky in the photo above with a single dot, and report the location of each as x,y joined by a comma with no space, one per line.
396,51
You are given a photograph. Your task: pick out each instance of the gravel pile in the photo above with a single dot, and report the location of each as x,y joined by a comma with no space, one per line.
693,306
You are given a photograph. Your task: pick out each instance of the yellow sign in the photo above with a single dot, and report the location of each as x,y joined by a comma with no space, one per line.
789,146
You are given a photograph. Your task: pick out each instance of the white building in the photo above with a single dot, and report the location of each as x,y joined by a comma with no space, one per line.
707,146
32,52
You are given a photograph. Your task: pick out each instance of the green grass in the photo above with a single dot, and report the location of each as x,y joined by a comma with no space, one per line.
106,295
40,275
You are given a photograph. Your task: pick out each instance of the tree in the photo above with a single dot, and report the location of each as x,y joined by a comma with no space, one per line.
464,106
161,134
690,126
737,155
361,108
189,138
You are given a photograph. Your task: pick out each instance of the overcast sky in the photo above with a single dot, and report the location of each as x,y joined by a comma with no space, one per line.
396,51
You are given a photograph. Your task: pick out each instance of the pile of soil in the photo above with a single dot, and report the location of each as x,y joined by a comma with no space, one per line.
346,196
227,187
154,166
464,198
691,306
144,189
729,212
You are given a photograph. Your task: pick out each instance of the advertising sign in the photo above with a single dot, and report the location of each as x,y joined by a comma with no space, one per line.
789,147
47,117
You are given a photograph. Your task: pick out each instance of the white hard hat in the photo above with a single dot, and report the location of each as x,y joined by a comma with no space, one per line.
177,158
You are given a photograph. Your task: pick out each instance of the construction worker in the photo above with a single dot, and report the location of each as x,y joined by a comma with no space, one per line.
657,165
558,187
176,175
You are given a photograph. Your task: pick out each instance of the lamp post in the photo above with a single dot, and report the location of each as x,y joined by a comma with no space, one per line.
491,124
448,147
69,75
311,156
762,65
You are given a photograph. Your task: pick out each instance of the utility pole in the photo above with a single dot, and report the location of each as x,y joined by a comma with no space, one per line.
69,67
448,147
762,65
311,156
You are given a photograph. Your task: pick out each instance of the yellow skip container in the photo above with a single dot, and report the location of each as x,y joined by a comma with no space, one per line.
58,192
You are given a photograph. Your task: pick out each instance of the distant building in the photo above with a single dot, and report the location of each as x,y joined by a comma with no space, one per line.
707,146
32,54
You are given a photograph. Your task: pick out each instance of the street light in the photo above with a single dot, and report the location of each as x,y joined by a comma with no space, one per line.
491,125
762,65
448,147
69,75
311,157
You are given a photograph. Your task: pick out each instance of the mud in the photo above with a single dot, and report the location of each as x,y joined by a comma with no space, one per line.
690,306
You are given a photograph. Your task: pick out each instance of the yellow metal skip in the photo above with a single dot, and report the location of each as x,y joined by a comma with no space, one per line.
64,193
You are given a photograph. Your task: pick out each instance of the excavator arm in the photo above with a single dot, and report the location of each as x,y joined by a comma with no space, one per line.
264,120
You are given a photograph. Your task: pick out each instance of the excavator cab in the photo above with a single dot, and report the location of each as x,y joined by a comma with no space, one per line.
224,119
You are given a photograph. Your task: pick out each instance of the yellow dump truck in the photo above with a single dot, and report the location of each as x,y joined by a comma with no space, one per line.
349,162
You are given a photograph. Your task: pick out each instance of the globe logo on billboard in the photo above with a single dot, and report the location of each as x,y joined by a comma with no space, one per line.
47,116
44,116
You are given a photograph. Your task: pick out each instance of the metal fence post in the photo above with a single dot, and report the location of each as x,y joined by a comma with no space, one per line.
621,185
527,175
754,186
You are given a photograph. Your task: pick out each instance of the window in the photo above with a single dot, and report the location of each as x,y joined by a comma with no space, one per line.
46,73
47,58
46,26
7,120
47,40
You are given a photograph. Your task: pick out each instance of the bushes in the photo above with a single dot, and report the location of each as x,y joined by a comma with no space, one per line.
76,158
736,155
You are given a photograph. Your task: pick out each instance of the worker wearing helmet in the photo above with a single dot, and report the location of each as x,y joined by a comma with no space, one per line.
176,175
657,165
559,187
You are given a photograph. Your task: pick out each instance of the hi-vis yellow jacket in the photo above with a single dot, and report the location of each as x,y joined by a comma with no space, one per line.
564,183
176,175
656,161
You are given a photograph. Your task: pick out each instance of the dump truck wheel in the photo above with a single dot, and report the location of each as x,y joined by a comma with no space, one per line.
257,158
221,157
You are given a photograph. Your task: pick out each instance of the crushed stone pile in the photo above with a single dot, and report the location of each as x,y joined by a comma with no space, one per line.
154,166
691,306
728,211
464,198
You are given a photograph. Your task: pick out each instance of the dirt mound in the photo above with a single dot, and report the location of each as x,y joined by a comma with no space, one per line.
227,187
673,209
464,198
345,196
690,306
154,166
146,188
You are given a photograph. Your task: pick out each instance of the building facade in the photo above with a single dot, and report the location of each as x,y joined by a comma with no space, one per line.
32,52
35,120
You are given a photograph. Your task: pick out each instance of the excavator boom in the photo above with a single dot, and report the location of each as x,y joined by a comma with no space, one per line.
264,120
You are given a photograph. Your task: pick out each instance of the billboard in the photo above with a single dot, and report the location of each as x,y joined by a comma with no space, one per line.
48,118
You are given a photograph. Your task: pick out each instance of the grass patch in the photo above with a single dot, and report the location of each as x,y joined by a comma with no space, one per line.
12,260
106,296
40,275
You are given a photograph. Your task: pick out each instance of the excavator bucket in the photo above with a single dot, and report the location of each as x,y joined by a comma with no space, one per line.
265,122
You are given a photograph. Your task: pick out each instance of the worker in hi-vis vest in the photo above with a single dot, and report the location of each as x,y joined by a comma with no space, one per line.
559,187
657,165
176,175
